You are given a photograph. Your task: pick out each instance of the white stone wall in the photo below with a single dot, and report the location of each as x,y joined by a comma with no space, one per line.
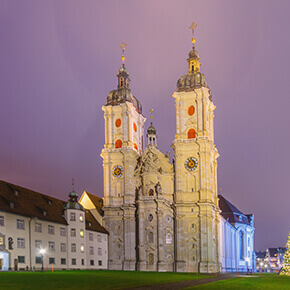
96,250
30,252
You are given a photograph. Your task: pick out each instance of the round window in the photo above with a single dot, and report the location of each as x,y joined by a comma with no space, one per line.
150,217
191,110
118,122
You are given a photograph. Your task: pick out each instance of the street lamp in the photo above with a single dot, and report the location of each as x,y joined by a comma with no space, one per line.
42,252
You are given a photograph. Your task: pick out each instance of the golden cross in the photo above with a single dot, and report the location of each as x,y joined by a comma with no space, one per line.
192,27
123,45
151,111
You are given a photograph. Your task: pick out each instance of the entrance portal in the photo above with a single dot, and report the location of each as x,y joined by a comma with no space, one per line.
4,261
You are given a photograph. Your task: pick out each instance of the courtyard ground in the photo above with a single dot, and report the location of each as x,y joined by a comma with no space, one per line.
88,279
123,280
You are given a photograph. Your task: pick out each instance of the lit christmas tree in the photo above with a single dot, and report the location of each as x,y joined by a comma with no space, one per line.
286,261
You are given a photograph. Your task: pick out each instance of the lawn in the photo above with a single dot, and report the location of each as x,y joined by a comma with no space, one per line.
266,281
88,279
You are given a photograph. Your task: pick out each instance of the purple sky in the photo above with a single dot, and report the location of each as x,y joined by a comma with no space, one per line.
59,59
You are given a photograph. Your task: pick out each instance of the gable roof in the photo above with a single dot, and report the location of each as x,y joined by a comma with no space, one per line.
97,201
231,213
25,202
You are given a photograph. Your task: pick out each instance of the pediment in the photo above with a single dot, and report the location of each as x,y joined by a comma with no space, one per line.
168,229
150,249
118,240
149,228
191,239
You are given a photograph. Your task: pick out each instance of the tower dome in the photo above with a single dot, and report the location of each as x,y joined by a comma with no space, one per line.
194,79
73,202
151,130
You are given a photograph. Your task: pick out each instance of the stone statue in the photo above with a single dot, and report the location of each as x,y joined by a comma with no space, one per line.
10,243
158,188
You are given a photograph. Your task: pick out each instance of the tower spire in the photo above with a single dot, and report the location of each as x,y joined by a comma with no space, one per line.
193,60
151,132
123,45
192,27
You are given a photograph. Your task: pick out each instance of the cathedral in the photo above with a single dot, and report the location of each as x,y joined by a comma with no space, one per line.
163,215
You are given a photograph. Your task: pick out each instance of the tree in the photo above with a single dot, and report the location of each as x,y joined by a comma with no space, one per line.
286,261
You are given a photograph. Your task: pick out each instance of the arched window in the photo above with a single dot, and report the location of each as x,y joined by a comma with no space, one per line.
118,143
151,259
241,238
168,238
135,127
191,134
151,192
135,146
150,237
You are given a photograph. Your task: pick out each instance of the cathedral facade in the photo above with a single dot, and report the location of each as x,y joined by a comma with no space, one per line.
163,215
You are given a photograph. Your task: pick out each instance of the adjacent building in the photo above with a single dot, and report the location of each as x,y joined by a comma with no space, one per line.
70,235
273,260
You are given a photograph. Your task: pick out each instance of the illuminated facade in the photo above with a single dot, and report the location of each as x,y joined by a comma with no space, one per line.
165,216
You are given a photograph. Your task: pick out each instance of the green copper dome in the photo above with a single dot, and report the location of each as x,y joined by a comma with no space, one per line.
73,202
151,130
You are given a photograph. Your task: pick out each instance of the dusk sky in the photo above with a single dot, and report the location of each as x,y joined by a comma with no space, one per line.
59,60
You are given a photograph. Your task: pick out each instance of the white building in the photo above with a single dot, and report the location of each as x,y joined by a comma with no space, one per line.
236,246
70,235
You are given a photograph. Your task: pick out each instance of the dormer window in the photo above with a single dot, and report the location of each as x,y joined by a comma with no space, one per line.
240,218
11,205
44,213
16,192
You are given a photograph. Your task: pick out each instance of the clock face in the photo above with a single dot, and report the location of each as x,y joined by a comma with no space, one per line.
118,171
191,163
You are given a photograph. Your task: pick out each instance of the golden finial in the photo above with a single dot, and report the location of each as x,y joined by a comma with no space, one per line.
73,184
192,27
151,111
123,45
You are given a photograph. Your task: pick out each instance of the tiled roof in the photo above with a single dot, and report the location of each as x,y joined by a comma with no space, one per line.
93,225
97,201
18,200
22,201
231,213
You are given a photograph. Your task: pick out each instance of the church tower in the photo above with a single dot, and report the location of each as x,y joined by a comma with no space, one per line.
196,201
124,130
